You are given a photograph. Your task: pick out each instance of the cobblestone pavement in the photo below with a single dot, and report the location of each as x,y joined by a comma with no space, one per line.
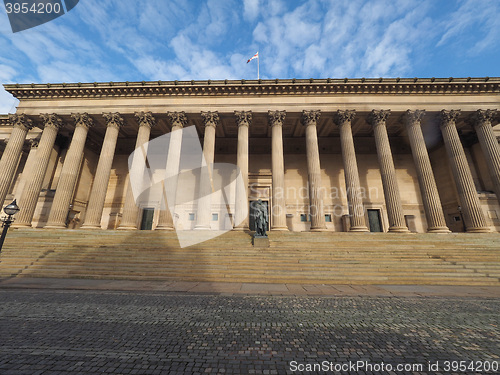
89,332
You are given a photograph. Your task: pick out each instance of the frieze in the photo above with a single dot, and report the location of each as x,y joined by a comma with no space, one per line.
407,86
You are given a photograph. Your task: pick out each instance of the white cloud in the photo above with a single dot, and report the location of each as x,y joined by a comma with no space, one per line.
343,38
207,39
470,19
251,9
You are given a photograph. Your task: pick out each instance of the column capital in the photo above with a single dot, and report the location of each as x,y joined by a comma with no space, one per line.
113,119
51,120
412,117
21,121
482,117
210,118
378,117
243,118
145,119
34,142
310,117
448,117
343,117
276,118
83,120
178,119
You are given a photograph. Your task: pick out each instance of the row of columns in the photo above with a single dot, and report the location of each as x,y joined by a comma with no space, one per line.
468,198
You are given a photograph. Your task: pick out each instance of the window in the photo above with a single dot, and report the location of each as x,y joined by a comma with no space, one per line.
303,217
328,218
191,216
215,217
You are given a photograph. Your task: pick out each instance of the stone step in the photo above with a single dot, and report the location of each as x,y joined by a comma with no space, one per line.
293,257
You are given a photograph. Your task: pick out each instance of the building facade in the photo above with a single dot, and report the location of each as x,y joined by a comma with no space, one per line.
380,155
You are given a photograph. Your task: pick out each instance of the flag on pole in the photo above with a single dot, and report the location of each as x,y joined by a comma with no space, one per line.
256,56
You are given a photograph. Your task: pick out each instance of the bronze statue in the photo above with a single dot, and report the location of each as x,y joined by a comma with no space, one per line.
261,218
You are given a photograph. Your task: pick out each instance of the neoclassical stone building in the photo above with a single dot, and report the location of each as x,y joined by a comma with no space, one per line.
389,155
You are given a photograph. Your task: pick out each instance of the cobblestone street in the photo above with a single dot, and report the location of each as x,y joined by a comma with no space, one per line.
89,332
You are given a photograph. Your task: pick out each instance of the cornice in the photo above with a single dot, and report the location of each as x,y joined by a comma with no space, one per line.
360,86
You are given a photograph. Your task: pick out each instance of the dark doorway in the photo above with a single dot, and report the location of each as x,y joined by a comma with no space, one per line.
147,218
374,220
251,222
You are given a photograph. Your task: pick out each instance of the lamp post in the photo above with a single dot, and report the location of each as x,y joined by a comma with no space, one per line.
10,210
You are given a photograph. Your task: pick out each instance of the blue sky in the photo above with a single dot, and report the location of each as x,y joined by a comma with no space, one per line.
136,40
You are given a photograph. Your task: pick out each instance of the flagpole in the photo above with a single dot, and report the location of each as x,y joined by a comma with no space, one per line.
258,67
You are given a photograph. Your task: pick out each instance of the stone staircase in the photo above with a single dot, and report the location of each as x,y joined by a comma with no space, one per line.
305,258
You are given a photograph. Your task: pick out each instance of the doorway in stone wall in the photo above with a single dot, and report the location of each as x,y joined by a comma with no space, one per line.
147,218
374,220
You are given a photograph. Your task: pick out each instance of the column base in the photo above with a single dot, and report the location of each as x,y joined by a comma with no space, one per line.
438,230
127,227
55,226
21,225
399,230
165,228
319,229
478,230
280,229
90,226
359,229
202,227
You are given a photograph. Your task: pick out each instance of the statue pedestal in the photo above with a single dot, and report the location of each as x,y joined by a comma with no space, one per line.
260,241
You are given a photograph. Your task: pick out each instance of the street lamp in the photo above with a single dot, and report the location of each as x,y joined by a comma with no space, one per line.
10,210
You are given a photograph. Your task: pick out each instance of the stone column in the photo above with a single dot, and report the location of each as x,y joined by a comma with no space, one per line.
211,120
244,120
177,121
31,191
353,187
10,157
28,165
276,119
481,120
309,120
387,171
430,196
69,173
101,180
130,209
467,194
